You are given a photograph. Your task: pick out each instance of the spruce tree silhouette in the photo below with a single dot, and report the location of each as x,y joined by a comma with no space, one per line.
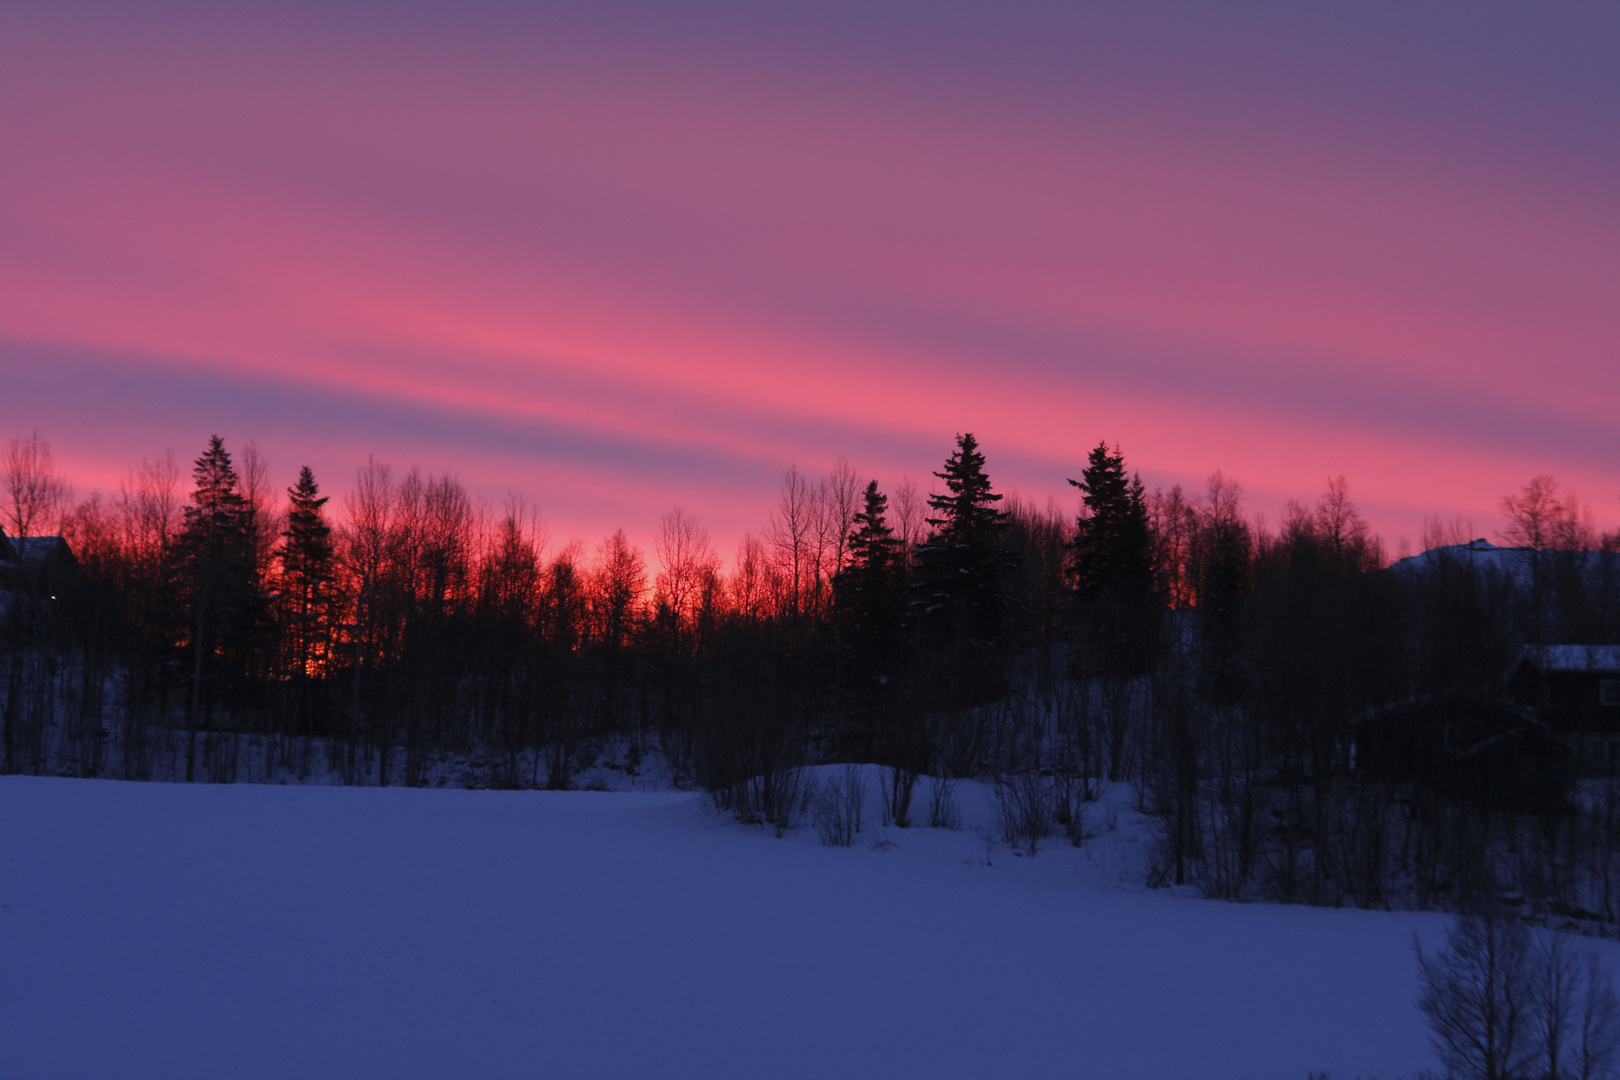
1113,567
867,596
219,580
306,588
1113,547
961,612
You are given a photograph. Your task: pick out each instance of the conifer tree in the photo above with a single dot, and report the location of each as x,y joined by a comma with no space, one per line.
866,612
962,566
306,571
868,600
219,579
967,513
1113,547
864,590
962,560
1113,567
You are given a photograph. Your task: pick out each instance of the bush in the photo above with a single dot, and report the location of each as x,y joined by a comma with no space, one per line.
1069,806
838,807
777,798
1024,809
942,809
897,796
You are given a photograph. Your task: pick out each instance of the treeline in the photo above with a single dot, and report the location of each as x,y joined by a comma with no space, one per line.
1162,639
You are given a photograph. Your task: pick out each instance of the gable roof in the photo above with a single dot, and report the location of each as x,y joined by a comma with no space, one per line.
1456,695
33,551
1571,658
35,556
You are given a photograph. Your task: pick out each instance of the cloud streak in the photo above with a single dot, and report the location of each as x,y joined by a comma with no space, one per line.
641,259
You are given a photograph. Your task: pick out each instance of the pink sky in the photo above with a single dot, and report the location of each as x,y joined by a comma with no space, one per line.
620,259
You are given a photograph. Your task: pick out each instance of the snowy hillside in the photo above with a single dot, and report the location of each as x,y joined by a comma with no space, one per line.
241,930
1510,564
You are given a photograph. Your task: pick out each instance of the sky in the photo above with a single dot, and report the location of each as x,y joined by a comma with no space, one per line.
623,257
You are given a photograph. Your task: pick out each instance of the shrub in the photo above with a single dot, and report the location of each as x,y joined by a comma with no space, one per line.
837,807
897,796
1069,806
1024,809
942,809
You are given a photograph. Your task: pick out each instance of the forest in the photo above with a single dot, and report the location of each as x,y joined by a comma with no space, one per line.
1238,677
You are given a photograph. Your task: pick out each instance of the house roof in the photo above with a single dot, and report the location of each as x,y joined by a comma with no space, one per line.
1572,658
36,555
32,551
1440,699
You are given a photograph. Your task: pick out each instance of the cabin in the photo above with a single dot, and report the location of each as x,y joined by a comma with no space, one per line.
1575,690
1554,716
37,567
1480,747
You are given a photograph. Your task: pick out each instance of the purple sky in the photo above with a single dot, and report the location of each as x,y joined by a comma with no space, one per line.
627,257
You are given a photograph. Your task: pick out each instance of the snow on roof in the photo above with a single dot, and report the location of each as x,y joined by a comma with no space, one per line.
1593,658
35,555
32,551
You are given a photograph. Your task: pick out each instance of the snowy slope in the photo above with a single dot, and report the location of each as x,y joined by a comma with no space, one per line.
209,931
1513,564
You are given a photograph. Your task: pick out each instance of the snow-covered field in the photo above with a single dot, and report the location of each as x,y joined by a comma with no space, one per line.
252,930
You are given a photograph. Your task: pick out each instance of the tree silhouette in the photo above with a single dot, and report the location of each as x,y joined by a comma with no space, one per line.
1113,546
866,603
962,566
1113,569
307,591
865,589
219,579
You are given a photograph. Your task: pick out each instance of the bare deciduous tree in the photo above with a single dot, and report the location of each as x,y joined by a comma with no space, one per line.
942,809
1476,996
1440,533
685,562
909,511
1539,517
35,495
268,517
1506,1003
1340,519
617,587
1593,1043
1175,524
1024,809
840,501
791,535
752,580
148,508
837,807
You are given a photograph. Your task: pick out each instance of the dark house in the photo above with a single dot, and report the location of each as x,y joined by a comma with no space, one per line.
1483,748
37,567
1575,690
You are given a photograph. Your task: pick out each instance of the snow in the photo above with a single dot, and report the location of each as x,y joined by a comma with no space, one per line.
1512,564
254,930
1596,658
